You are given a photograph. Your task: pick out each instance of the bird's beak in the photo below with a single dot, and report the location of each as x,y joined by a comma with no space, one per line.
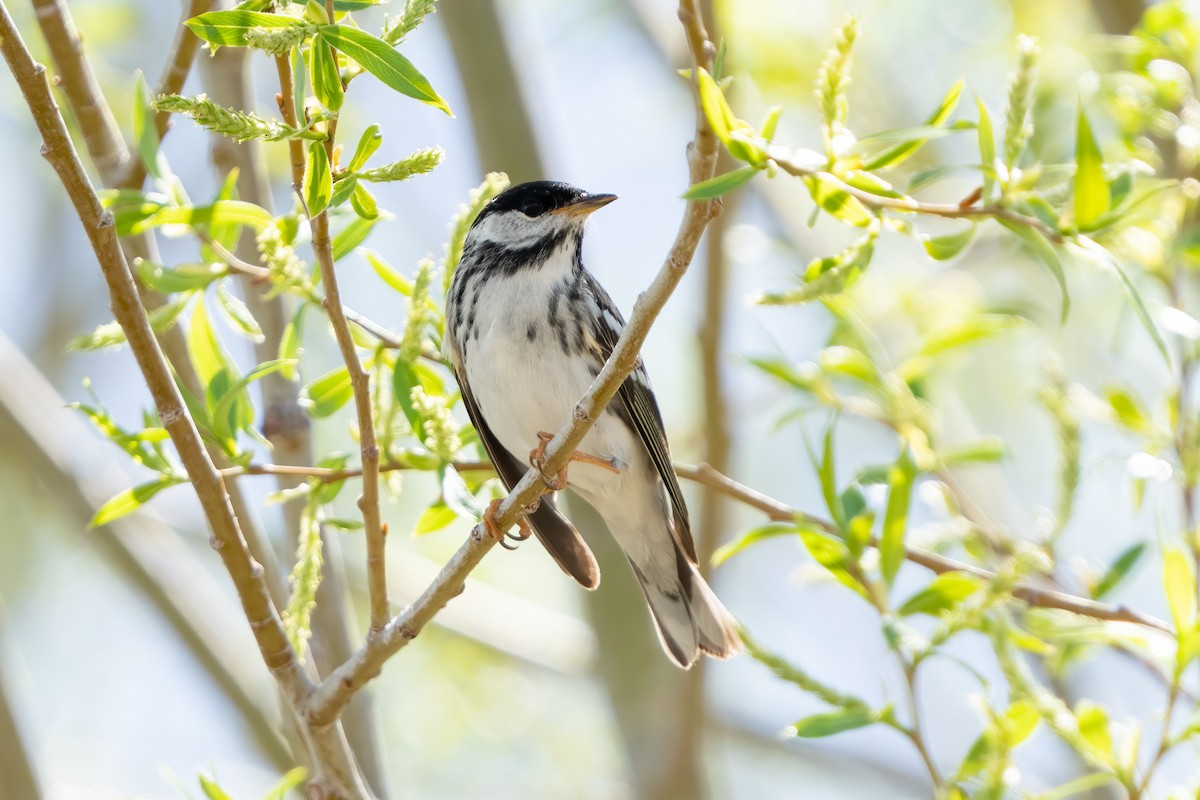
585,205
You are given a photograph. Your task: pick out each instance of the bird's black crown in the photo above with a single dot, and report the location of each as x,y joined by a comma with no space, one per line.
533,199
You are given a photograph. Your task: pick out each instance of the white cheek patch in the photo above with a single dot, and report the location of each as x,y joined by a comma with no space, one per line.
515,230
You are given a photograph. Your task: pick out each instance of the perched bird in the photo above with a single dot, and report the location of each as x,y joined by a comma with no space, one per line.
528,330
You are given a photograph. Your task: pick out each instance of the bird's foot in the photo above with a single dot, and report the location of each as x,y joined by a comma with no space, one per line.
537,457
493,528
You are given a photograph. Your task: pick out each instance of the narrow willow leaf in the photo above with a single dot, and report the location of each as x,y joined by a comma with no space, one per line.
342,190
130,500
381,60
299,83
716,108
328,393
752,536
231,28
983,451
212,790
1179,583
222,212
318,182
900,152
829,723
206,352
290,780
238,313
326,80
457,497
943,593
722,184
368,143
390,276
895,517
183,278
1120,568
225,424
1045,251
1105,259
404,379
969,331
987,149
363,203
826,472
1093,726
144,131
291,343
1092,198
770,121
838,202
351,236
834,555
943,248
434,518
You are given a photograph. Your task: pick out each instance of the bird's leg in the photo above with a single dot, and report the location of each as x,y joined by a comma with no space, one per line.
537,457
493,529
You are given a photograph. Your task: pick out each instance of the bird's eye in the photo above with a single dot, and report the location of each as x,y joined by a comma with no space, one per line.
533,208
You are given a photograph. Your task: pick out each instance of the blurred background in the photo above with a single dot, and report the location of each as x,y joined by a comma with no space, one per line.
115,686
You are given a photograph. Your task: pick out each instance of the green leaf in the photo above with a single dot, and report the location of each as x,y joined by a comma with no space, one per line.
969,331
224,423
834,555
352,236
1093,726
368,143
238,313
943,248
299,77
291,779
825,471
457,497
230,27
212,790
941,594
404,378
206,352
390,276
291,342
1045,251
318,182
770,121
752,536
987,148
1106,260
987,450
1179,582
183,278
145,133
326,80
897,154
829,723
364,203
381,60
895,517
1118,570
434,518
342,190
222,212
328,393
1092,198
1127,409
130,500
838,202
715,187
716,108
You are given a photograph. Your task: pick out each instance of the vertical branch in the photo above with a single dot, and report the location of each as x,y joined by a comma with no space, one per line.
227,79
360,381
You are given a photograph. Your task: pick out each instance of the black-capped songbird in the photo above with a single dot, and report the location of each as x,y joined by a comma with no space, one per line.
528,330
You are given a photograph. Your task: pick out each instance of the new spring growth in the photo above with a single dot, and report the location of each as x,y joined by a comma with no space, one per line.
418,163
278,41
420,315
437,423
1055,397
414,14
304,579
832,80
1018,127
239,125
285,267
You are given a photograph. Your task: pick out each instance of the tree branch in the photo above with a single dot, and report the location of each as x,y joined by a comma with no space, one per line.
1034,596
333,693
333,761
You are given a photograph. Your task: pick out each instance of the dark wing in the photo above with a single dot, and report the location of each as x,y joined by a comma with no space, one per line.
556,534
636,400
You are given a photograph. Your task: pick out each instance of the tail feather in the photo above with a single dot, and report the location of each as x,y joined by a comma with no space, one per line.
689,618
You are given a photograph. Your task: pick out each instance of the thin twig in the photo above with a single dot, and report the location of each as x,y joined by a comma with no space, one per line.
786,159
335,690
1034,596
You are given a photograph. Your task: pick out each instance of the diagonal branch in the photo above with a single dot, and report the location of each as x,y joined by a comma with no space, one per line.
336,690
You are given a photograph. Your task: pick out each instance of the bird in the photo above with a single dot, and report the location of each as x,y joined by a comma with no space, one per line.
528,329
